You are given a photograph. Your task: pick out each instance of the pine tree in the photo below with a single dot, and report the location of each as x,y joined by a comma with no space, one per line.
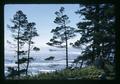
62,33
88,30
108,25
29,34
19,20
96,28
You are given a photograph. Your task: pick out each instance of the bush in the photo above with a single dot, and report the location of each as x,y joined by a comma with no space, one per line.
88,73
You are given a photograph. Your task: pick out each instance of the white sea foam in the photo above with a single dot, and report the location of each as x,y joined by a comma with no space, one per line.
39,64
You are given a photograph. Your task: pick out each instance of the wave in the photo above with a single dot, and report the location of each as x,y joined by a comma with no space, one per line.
63,62
40,65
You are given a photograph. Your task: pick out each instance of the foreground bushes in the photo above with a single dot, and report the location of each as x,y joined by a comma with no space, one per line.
89,73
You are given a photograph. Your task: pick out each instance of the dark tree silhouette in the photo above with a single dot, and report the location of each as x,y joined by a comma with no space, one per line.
96,28
62,33
22,32
30,32
19,20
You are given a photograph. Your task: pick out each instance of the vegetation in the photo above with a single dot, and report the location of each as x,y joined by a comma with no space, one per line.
97,43
50,58
97,34
19,20
86,73
22,32
30,32
62,33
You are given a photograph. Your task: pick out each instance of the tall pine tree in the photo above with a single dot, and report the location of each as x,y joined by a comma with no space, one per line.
23,32
62,33
96,28
29,33
19,20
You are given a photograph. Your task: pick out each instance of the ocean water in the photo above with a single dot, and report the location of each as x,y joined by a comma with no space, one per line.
39,64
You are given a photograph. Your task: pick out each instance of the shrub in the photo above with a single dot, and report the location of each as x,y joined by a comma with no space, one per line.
87,73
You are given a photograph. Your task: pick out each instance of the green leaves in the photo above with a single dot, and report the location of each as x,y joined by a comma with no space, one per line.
36,49
23,32
30,31
62,9
88,73
22,60
96,29
62,33
20,18
12,72
61,18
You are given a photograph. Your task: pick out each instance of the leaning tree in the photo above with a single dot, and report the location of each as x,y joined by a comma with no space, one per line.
29,33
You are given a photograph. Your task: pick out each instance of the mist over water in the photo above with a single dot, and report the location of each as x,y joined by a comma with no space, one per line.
39,64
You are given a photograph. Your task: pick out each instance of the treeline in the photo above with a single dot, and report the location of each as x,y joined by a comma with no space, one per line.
97,41
97,34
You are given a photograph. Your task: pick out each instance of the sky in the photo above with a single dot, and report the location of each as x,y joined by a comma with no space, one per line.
43,15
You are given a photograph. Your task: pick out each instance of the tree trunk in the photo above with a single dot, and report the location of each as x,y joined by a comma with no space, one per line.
28,58
81,64
66,41
93,55
29,44
96,30
66,49
18,52
66,54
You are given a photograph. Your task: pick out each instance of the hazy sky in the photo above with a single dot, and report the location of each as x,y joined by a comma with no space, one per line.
43,15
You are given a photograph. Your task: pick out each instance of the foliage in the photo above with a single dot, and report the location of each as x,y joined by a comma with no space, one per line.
97,32
62,32
36,49
97,42
22,32
20,21
86,73
29,33
50,58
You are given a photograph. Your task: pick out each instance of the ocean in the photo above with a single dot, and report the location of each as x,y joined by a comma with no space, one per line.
39,64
